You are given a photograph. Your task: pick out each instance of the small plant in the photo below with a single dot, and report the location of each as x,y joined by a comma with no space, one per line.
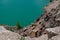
2,24
11,30
22,38
18,25
51,0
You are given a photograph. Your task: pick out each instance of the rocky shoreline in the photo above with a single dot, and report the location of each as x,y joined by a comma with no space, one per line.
46,27
47,24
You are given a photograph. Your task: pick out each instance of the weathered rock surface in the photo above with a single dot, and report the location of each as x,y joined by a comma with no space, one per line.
55,37
43,37
8,35
55,30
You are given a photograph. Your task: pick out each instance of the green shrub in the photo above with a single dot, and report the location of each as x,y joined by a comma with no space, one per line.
51,0
22,38
18,25
11,30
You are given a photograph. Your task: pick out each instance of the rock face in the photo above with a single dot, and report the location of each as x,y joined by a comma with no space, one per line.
47,24
8,35
55,30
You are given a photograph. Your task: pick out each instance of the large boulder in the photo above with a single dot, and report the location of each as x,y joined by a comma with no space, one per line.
8,35
55,30
2,28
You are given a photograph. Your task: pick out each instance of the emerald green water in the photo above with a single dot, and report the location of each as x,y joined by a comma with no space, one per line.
24,11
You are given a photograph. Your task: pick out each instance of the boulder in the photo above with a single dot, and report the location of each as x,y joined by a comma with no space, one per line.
2,28
8,35
55,30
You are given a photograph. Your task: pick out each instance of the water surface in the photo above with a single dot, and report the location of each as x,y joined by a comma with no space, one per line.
24,11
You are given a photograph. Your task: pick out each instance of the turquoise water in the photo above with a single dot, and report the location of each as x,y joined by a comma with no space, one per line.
23,11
